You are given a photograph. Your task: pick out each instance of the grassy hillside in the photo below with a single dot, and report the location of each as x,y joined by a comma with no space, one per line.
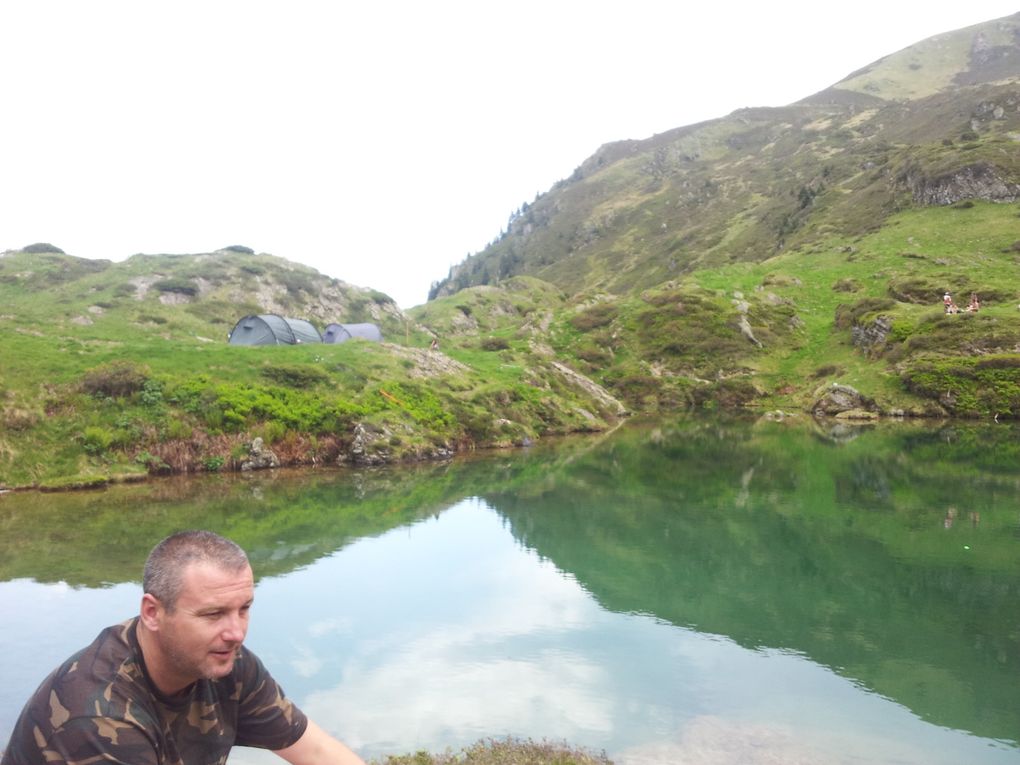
760,258
786,258
119,370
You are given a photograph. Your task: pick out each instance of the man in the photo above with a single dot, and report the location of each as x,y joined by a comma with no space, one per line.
174,685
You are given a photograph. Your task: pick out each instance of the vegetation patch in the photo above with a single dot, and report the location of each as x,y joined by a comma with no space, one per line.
969,387
295,375
180,286
857,313
510,751
591,318
117,379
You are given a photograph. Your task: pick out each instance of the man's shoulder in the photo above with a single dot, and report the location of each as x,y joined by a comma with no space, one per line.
98,692
106,675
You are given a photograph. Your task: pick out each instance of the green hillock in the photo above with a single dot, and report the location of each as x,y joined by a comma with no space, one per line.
114,371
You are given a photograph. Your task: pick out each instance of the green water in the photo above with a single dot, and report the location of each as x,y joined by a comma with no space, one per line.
709,591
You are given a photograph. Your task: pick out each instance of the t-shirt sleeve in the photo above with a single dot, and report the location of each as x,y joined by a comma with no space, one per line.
266,717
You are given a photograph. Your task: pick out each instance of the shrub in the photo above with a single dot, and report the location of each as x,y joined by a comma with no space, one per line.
178,430
595,355
40,248
16,418
239,248
152,463
296,281
851,315
495,344
597,316
295,375
829,370
96,440
178,285
116,379
152,393
271,432
213,464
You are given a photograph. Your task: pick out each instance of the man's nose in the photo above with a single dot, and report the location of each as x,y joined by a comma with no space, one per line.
235,627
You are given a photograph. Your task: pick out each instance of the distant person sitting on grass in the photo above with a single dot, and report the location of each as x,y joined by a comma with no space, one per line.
950,306
975,305
175,684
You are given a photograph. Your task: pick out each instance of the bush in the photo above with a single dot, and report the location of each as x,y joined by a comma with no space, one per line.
495,344
178,285
115,380
213,464
295,375
178,430
597,316
851,315
96,440
16,418
40,248
271,432
595,355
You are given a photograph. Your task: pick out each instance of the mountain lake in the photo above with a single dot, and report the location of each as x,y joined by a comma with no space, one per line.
704,590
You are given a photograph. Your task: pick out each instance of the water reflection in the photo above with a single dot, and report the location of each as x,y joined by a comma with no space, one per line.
707,591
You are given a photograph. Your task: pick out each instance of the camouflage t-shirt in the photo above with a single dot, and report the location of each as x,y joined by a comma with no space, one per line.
100,705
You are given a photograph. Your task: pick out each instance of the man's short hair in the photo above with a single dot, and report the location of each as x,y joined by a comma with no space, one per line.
163,577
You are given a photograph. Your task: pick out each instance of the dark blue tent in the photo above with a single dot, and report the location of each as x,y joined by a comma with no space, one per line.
270,329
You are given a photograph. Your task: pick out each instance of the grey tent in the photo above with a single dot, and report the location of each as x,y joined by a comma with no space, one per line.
341,333
270,329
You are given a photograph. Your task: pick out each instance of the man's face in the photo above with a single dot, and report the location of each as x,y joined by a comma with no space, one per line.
200,637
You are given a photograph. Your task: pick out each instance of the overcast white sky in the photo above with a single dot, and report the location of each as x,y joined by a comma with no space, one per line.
378,142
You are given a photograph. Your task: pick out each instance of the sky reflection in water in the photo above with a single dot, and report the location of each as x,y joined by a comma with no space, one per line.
493,640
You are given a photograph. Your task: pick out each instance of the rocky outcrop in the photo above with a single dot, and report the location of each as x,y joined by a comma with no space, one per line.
871,337
260,457
604,398
978,181
844,402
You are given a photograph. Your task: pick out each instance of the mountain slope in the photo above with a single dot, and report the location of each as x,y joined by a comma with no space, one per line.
776,255
933,124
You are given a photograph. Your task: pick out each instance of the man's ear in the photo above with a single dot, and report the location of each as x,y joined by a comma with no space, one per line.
151,612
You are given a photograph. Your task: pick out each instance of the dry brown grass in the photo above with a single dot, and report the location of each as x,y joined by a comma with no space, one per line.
508,751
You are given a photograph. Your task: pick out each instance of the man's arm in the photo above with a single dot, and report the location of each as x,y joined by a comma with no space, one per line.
316,747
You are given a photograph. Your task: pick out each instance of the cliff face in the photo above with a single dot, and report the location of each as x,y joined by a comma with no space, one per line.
978,181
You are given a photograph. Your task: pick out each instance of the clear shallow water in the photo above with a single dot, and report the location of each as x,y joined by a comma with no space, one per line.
703,592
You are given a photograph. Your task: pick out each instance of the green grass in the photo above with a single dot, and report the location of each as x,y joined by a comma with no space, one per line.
100,382
188,401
